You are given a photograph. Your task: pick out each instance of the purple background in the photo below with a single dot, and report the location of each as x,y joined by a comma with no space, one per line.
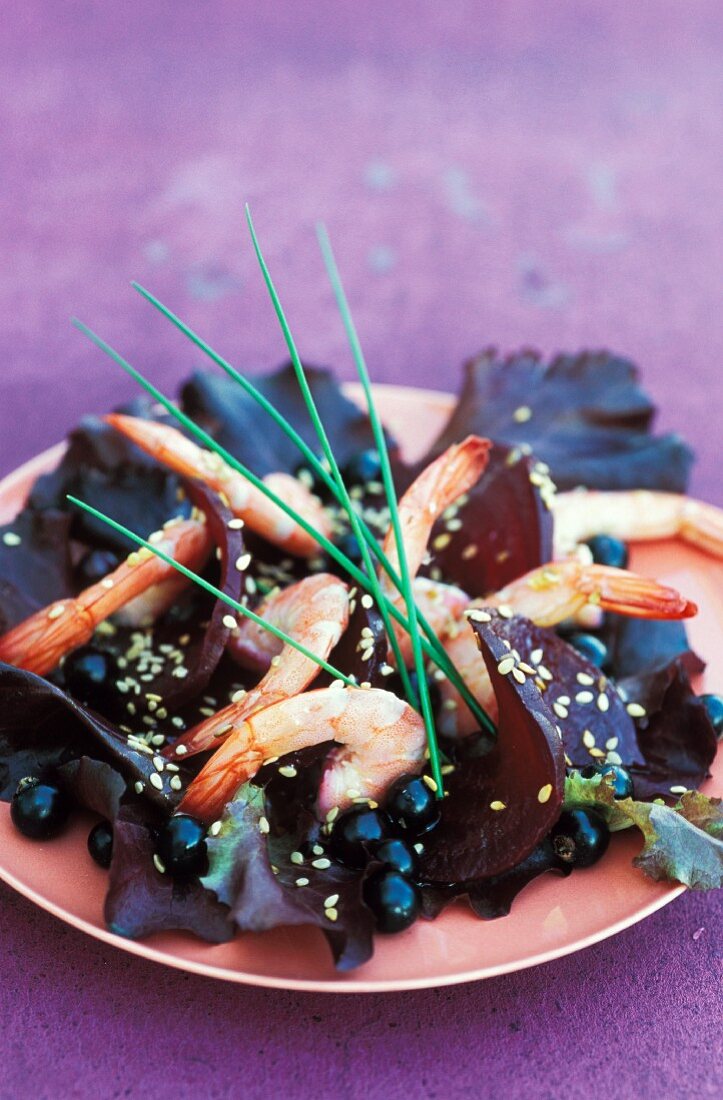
509,173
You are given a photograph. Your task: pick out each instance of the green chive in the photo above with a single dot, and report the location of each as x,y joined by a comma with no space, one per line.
217,592
343,495
391,496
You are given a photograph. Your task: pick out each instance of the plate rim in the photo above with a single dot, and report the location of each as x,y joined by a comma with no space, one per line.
344,983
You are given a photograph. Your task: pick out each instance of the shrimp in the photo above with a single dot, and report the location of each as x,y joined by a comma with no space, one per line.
636,515
39,643
437,487
547,596
439,603
315,612
379,738
173,449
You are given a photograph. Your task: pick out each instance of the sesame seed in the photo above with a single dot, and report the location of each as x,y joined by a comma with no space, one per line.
536,656
585,678
603,703
679,789
332,814
544,672
367,601
611,743
181,750
159,763
447,769
497,805
331,901
597,753
238,695
564,699
429,782
524,667
588,739
331,913
155,781
470,551
614,758
264,826
229,621
543,795
505,611
478,616
302,881
297,858
179,672
235,524
583,697
159,864
243,562
138,787
522,414
56,611
318,850
175,783
10,538
635,710
441,541
506,665
418,848
321,864
560,711
518,675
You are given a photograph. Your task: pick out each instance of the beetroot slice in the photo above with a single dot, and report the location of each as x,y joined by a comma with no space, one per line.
506,526
524,771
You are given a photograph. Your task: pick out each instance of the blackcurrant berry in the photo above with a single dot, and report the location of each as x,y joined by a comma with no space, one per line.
396,855
39,810
362,468
608,551
90,675
580,837
95,565
411,805
714,706
592,648
181,846
354,831
100,843
622,780
393,900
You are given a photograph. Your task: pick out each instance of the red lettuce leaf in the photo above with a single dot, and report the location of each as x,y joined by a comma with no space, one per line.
523,773
42,727
93,784
236,422
38,569
642,645
584,415
141,901
109,472
251,872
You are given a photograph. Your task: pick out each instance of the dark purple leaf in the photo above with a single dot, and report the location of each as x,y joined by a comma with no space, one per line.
37,569
522,776
584,415
41,726
347,653
235,420
641,645
94,784
141,901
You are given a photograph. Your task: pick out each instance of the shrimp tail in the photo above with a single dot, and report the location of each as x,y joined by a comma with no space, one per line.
702,526
630,594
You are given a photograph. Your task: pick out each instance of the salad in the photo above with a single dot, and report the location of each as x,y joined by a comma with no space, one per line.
299,681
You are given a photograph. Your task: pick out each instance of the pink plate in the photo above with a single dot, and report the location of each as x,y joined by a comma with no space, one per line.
553,917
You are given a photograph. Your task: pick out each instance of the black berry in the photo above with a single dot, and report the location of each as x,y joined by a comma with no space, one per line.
411,805
393,900
89,674
609,551
396,855
362,468
581,837
353,833
95,565
714,706
100,843
622,780
349,545
39,810
181,846
592,648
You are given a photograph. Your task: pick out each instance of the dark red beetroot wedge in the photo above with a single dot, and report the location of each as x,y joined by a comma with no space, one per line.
502,531
500,805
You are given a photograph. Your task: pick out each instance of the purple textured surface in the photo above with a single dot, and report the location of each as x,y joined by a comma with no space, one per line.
546,174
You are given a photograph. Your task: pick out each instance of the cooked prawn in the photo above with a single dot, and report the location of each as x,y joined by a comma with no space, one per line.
437,487
173,449
315,612
548,596
39,643
636,515
379,737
